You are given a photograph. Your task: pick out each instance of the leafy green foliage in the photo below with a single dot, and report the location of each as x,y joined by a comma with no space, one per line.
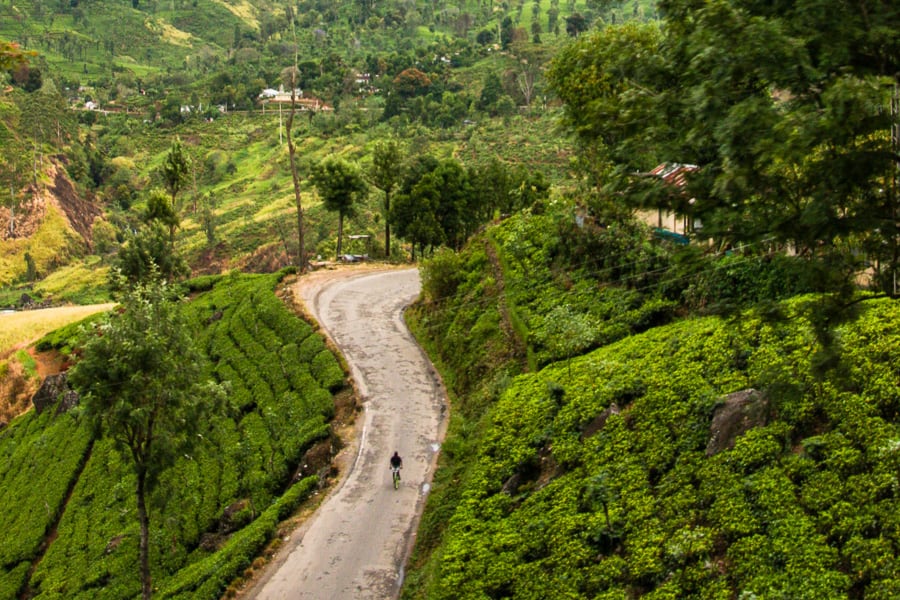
216,507
587,473
32,446
557,501
140,385
149,251
782,115
341,186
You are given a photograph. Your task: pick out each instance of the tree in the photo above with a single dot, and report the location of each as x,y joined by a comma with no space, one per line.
340,184
176,170
415,214
527,75
491,91
493,184
13,165
208,217
148,253
784,114
612,99
436,204
576,24
12,56
291,78
411,82
140,381
384,174
456,211
161,209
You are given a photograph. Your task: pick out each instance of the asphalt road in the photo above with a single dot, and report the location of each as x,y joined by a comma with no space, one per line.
356,543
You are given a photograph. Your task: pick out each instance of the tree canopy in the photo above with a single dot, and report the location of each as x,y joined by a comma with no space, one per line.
783,110
340,184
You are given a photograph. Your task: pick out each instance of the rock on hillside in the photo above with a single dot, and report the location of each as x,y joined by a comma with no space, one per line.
61,194
53,224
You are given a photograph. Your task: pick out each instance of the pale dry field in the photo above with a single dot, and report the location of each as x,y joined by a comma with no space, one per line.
22,328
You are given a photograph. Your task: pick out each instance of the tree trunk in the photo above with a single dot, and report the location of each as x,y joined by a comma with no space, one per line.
301,252
387,223
145,534
12,211
340,234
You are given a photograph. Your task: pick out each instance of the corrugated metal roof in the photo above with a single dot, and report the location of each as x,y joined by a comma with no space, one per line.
674,173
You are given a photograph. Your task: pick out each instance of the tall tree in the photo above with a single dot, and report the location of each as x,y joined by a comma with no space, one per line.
436,205
415,213
13,168
340,184
384,174
415,207
141,383
291,77
162,210
176,170
458,213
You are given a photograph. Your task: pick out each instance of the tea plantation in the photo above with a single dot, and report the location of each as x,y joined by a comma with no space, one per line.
583,462
68,527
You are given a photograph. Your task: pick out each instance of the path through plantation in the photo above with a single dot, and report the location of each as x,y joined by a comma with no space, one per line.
355,545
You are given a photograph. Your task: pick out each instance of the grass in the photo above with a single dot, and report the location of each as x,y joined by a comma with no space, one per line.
21,328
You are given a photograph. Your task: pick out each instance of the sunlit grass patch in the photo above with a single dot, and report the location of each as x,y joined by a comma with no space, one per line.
21,328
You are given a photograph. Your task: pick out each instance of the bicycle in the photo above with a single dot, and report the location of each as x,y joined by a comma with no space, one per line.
395,474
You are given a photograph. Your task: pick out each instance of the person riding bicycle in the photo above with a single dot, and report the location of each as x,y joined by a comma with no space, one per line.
396,464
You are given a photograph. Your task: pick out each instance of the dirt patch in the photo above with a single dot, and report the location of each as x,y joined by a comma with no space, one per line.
79,211
266,259
17,387
213,261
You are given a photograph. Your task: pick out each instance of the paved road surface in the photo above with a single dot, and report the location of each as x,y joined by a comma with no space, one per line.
355,545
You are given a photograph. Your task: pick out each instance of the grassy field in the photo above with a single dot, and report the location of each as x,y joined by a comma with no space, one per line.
24,327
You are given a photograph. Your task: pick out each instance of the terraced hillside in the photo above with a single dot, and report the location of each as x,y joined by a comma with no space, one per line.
68,518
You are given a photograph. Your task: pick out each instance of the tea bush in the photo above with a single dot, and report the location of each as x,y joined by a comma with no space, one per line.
214,510
555,505
583,471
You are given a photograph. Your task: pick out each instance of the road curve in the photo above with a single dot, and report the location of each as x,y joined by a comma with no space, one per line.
356,543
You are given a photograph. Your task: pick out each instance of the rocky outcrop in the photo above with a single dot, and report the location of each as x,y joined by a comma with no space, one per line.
55,389
739,413
599,421
80,212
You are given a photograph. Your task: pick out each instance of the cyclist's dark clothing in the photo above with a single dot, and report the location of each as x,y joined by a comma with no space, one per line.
396,461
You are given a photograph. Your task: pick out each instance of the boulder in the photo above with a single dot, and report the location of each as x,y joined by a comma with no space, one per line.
739,413
599,421
55,389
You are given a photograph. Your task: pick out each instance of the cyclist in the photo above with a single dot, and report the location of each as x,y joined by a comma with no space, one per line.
396,464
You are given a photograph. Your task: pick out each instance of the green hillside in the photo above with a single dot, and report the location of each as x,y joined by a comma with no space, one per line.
215,510
583,460
710,412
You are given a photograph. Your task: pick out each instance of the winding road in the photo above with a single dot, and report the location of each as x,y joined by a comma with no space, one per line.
356,543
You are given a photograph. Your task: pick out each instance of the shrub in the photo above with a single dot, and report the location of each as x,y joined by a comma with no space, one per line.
441,275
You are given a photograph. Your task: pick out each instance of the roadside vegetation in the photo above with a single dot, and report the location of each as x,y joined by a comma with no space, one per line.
213,510
583,459
593,360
